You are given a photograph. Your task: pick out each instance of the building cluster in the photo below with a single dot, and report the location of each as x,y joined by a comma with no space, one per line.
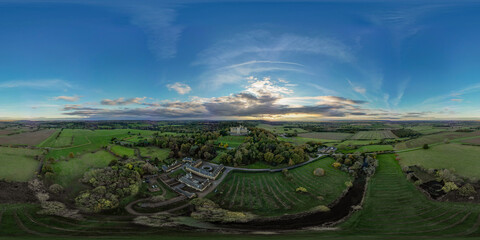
327,150
239,131
198,177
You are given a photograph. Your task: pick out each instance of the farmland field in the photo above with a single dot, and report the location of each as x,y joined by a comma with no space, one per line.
464,159
26,138
368,135
88,140
472,141
154,152
394,207
233,141
347,143
273,194
326,135
68,172
428,129
280,129
434,138
18,164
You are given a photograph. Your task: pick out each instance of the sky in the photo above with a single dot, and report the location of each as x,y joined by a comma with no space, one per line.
225,60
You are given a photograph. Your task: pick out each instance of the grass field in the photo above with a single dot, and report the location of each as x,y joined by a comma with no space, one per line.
326,135
153,152
369,135
280,129
26,138
18,164
434,138
464,159
302,140
233,141
88,140
123,151
347,143
394,207
372,148
427,129
274,194
67,173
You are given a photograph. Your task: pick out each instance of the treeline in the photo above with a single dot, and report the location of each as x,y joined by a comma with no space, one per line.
357,163
405,132
200,145
262,145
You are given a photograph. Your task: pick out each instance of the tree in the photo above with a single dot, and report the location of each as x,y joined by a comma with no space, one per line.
425,146
71,155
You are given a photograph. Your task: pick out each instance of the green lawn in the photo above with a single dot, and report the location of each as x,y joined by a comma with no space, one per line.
68,172
270,194
233,141
465,160
18,164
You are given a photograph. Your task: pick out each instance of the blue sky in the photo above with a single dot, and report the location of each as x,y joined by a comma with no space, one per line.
224,60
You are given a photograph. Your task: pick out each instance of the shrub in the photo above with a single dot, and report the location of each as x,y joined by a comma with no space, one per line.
467,190
349,184
301,190
319,172
418,182
56,188
321,208
336,164
449,186
425,146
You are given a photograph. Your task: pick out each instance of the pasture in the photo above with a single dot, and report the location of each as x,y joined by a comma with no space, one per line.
154,152
68,172
465,160
394,207
233,141
434,138
349,143
18,164
26,138
427,129
279,129
372,148
270,194
370,135
326,135
122,151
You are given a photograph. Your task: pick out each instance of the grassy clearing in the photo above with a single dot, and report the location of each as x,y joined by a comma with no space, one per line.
434,138
465,160
394,207
233,141
123,151
67,173
274,194
154,152
326,135
369,135
280,128
18,164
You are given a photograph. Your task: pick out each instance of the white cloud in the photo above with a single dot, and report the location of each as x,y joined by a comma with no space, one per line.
180,88
37,84
123,101
67,98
